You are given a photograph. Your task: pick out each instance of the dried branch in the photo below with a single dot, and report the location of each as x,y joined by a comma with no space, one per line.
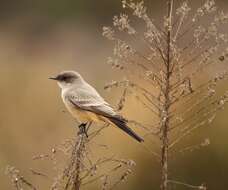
181,49
17,179
200,187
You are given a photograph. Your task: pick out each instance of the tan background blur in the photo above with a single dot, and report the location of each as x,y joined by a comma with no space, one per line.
40,38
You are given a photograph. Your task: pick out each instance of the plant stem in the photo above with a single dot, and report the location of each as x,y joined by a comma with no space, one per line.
165,114
79,157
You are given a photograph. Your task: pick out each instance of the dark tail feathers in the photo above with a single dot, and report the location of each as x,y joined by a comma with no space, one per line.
122,124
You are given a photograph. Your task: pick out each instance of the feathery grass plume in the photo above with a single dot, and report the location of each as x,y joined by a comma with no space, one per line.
82,165
164,66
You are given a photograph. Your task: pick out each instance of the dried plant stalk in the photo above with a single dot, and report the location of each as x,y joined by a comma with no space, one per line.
73,170
164,75
81,168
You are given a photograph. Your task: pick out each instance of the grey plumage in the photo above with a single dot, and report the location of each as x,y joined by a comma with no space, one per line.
86,105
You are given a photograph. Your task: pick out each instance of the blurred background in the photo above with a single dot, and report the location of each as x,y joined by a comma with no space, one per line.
40,38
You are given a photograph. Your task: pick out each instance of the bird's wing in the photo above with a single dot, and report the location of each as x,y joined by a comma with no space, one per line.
93,102
90,100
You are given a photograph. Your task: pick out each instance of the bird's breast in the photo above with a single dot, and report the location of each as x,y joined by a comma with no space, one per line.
79,114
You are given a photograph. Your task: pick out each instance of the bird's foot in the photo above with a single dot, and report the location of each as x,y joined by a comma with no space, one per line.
82,129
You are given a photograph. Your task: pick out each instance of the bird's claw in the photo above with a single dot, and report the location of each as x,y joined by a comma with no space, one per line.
82,129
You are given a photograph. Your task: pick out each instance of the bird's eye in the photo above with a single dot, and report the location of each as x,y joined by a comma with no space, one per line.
64,78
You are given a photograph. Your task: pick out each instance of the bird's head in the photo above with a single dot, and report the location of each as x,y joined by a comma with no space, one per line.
67,78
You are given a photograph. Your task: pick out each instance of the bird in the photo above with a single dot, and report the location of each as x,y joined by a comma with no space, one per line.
86,105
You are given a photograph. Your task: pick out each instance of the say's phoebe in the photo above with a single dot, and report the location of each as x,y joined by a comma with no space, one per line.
86,105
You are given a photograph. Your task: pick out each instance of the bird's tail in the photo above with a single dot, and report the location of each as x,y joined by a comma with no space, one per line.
122,124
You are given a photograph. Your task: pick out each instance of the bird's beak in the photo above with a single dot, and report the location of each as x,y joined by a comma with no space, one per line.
53,78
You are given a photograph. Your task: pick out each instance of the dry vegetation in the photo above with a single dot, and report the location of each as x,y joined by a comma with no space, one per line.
82,166
169,66
163,64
